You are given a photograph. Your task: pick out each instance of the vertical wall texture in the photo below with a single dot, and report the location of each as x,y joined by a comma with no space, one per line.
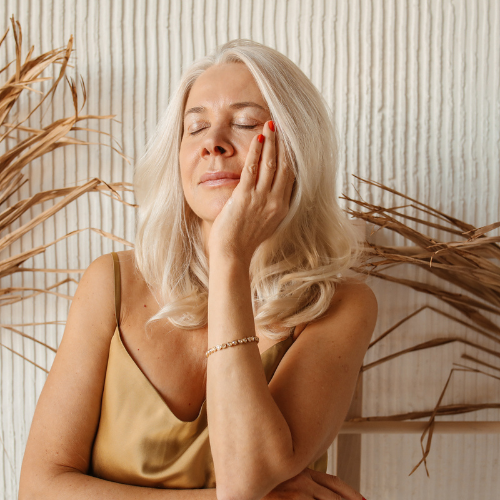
415,91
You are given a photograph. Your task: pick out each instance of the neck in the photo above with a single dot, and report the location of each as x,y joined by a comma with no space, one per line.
206,227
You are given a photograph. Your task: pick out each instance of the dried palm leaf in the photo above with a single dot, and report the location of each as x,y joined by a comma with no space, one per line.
24,77
468,263
427,345
470,358
430,308
430,425
25,359
456,409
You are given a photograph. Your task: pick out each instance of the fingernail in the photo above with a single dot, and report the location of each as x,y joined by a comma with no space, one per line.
260,138
271,125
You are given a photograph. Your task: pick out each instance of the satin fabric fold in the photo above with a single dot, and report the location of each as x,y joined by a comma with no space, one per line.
140,442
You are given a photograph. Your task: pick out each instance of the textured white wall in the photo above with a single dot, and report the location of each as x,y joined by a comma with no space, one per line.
415,89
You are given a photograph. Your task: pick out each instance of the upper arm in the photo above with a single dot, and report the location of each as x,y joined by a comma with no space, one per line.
68,410
314,383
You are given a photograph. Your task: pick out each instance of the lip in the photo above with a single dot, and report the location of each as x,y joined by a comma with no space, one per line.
221,182
216,176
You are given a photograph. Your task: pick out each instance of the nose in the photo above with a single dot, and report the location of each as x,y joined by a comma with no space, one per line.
216,143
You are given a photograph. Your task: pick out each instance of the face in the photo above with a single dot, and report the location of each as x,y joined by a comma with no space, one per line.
224,111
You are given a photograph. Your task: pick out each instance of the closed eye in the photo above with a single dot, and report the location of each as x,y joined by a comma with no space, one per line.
239,126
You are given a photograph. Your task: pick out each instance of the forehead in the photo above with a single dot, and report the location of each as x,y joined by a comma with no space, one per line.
223,84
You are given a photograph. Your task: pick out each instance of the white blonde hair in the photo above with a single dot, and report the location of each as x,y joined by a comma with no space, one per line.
293,273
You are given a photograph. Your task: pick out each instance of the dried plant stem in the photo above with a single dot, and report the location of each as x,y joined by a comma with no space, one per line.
31,143
470,358
25,359
430,308
427,345
19,332
430,425
456,409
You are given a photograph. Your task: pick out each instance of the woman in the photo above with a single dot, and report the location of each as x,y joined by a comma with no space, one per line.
239,238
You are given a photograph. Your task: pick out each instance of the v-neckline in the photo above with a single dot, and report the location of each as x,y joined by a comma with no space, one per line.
118,333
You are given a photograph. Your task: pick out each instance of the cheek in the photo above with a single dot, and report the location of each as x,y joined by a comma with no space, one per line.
244,144
186,166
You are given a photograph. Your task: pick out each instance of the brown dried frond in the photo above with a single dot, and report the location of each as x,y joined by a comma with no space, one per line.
469,263
22,77
430,425
438,311
427,345
445,410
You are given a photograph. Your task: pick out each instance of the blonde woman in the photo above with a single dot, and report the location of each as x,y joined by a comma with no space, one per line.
233,317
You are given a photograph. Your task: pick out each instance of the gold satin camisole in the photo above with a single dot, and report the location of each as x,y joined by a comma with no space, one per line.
139,441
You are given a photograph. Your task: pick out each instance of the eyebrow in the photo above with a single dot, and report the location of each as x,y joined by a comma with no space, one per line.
236,105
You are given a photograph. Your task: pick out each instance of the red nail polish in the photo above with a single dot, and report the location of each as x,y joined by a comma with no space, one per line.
271,125
260,138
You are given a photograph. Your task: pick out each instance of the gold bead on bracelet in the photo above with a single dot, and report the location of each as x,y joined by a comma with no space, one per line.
231,344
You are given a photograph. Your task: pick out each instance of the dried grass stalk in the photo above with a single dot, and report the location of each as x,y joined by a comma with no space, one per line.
470,263
456,409
430,425
467,264
427,345
24,77
25,359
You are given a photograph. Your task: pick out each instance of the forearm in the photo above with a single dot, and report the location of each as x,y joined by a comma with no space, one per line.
79,486
249,437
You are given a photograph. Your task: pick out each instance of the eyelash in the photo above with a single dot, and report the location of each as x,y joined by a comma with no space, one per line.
249,127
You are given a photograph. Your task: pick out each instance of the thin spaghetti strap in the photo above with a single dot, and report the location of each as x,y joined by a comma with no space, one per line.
118,290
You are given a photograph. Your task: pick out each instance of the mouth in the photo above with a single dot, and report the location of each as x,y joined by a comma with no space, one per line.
220,178
221,182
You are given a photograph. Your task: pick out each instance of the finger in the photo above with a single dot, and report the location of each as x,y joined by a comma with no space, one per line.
319,492
249,173
333,483
267,167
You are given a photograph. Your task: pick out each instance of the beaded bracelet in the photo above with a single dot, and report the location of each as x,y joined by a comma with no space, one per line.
231,344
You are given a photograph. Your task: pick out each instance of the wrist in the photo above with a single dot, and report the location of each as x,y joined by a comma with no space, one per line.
227,260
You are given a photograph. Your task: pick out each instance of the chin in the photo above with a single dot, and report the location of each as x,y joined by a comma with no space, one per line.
211,209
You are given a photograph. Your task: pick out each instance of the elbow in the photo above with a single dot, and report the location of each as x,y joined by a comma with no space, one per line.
41,484
239,488
35,478
253,484
28,490
247,490
243,487
28,495
236,493
29,485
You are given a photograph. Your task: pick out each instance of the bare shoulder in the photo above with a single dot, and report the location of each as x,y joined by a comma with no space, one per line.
134,291
95,293
128,267
353,308
127,257
355,295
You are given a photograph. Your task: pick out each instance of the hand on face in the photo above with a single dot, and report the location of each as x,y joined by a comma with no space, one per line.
258,204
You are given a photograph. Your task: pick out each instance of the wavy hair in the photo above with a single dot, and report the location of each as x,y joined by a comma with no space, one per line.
294,272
